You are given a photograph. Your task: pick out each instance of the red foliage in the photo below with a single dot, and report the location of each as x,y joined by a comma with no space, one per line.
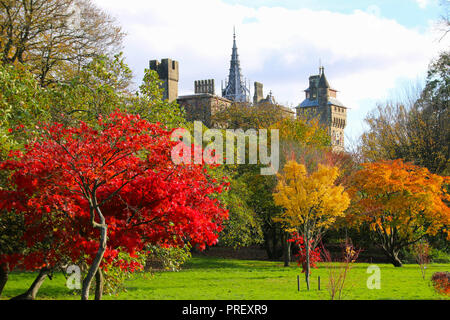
441,282
314,255
124,165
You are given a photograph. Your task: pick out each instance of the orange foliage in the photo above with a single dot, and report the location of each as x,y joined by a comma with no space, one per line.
401,198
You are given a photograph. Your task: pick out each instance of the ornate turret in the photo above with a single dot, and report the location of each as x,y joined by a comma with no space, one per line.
235,89
320,101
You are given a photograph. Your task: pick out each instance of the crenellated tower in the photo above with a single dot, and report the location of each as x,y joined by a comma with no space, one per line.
168,72
321,102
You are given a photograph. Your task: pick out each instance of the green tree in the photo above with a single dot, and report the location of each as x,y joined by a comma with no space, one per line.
298,138
243,227
247,116
22,102
55,37
149,103
415,130
11,231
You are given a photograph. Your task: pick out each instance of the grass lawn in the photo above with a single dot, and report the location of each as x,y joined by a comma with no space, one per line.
215,278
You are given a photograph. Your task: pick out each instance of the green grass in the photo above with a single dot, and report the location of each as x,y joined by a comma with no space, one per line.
228,279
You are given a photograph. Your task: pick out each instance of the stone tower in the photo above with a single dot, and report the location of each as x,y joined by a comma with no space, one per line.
259,95
235,88
167,70
321,102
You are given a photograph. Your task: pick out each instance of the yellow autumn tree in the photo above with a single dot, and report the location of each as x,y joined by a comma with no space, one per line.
311,203
400,202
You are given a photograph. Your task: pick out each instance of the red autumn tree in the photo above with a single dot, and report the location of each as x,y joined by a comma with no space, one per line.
86,191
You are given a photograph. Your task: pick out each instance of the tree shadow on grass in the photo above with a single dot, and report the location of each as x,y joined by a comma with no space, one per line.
221,263
55,288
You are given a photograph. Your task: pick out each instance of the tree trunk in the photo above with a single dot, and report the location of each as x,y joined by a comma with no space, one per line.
4,270
286,250
99,284
392,254
34,288
390,246
272,244
267,245
95,264
395,259
307,271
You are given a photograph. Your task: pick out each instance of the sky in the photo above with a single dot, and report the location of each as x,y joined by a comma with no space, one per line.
371,50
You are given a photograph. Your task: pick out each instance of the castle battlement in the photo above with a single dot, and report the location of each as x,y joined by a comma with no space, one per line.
320,98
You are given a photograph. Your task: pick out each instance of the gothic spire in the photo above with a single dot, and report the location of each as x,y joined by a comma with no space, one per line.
235,89
323,82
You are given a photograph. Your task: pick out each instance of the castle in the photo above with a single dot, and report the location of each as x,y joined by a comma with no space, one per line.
320,99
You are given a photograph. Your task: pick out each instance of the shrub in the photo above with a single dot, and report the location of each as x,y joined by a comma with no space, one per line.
441,282
338,270
314,255
167,258
121,269
421,252
439,256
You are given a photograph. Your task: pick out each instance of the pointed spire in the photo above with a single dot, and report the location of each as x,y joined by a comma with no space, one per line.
323,83
236,89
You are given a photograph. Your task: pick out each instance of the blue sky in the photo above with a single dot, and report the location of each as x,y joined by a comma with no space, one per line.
371,50
410,13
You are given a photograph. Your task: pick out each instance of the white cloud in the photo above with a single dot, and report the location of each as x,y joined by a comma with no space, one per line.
364,54
423,3
374,10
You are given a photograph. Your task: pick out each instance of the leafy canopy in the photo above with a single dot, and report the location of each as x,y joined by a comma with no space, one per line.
72,180
400,200
310,200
